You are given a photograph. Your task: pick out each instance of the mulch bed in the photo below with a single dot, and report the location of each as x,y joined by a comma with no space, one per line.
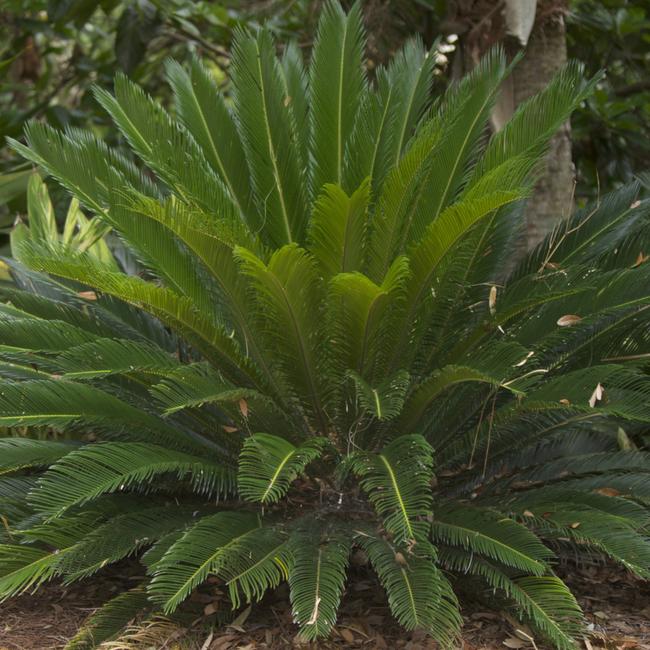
617,607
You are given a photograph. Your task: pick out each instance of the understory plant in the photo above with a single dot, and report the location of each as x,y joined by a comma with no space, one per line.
303,338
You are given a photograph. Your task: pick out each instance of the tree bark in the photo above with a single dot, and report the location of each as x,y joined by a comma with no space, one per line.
484,23
552,199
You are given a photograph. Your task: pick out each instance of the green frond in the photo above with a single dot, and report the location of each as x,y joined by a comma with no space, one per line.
550,606
319,559
419,595
398,197
85,167
192,386
204,113
338,228
363,318
441,235
254,563
19,453
25,568
590,232
159,141
397,482
409,79
535,121
109,619
286,302
104,357
337,81
625,392
464,112
121,536
544,602
296,84
269,464
97,469
386,400
176,310
40,213
441,380
491,534
265,119
35,335
201,551
608,534
59,403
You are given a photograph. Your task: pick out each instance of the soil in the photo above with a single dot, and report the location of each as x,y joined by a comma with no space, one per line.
616,605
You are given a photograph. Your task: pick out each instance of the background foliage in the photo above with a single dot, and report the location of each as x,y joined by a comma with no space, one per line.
53,51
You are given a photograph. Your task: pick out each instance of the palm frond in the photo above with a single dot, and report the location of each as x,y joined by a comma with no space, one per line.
337,81
269,464
338,228
492,535
319,558
419,595
265,122
201,551
93,470
397,482
109,619
204,113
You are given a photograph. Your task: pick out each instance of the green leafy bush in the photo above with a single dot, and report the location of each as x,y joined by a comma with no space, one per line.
308,342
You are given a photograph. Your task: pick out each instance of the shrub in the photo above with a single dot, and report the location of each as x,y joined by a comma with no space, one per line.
307,341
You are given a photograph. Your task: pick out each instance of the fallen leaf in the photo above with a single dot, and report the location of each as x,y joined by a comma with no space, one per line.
608,492
575,524
514,642
492,300
565,401
601,615
208,641
210,609
568,319
400,559
87,295
347,635
641,259
524,360
241,618
528,513
243,408
597,395
228,429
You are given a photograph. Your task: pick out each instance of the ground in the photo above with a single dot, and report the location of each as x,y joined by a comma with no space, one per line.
616,605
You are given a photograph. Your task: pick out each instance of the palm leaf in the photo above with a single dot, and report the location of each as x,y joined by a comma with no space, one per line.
269,464
419,595
266,123
98,469
492,535
317,576
109,619
337,81
199,552
397,483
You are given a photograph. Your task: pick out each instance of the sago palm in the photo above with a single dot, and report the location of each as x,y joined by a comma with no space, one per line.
309,340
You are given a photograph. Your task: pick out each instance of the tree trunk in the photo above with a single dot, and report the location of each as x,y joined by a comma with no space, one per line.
552,199
487,22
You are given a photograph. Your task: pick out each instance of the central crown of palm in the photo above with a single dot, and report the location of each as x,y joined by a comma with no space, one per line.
307,302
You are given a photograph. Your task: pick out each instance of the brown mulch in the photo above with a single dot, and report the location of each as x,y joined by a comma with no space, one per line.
617,607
